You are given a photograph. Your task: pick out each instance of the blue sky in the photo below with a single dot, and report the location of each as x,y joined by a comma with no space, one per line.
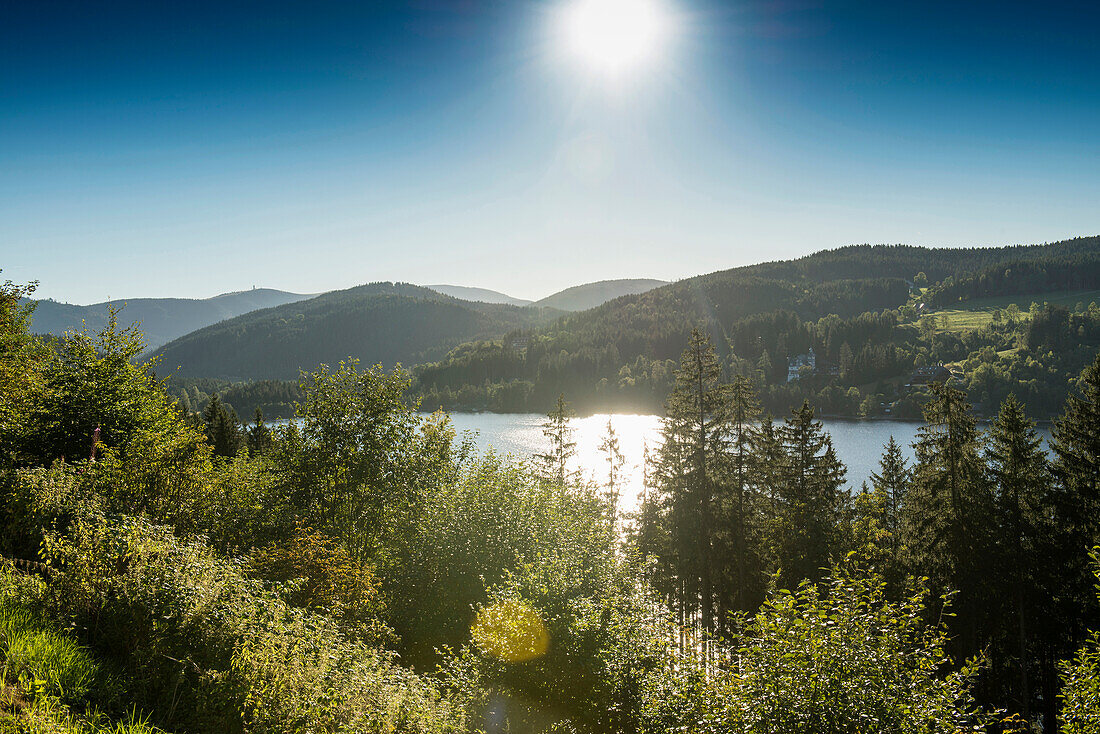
187,149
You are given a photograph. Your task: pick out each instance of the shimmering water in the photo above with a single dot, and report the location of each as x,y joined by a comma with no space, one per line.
859,444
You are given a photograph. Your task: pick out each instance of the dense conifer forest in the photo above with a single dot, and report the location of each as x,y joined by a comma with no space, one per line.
1018,320
873,317
382,322
364,570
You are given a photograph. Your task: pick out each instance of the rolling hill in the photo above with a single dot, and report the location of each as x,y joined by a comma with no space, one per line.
484,295
855,306
162,319
590,295
379,322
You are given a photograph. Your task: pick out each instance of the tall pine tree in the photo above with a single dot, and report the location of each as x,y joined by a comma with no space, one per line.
609,446
811,499
1019,473
555,462
891,482
949,518
222,428
1076,448
739,501
1076,468
696,419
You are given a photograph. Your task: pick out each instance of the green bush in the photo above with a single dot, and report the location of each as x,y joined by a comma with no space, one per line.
208,650
1081,682
840,658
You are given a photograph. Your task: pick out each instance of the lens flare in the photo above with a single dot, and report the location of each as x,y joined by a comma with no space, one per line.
510,631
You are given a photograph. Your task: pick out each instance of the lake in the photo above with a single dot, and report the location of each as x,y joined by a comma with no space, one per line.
859,444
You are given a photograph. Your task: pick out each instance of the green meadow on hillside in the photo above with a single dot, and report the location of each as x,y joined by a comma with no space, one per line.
978,313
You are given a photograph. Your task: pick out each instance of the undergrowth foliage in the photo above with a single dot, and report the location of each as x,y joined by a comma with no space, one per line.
217,651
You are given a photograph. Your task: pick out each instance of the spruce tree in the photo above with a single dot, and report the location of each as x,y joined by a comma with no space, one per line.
222,428
845,359
1019,473
1076,447
667,522
948,516
609,446
812,503
1076,469
556,428
764,367
770,460
259,435
739,501
890,483
696,419
185,403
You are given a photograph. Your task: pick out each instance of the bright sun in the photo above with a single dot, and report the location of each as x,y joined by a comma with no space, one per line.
613,36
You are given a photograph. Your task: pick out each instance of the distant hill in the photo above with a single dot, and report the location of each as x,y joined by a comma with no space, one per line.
162,319
379,322
857,307
590,295
466,293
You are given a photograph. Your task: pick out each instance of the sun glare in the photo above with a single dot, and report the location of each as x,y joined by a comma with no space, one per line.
614,36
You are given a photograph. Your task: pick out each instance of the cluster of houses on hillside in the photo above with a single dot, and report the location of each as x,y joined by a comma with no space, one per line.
806,364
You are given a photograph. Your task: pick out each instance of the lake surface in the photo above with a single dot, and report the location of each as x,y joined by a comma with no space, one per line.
859,444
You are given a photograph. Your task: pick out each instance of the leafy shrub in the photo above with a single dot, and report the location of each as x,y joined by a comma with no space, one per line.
326,578
564,643
841,658
1081,690
210,650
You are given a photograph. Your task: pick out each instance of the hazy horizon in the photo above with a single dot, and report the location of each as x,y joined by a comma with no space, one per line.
40,296
187,151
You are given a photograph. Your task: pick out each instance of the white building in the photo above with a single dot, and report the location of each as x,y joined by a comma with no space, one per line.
796,363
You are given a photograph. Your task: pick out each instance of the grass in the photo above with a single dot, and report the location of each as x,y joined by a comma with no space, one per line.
975,314
47,715
960,320
1055,298
42,670
46,661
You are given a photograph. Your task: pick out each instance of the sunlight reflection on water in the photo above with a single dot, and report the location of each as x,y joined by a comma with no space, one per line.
859,444
520,435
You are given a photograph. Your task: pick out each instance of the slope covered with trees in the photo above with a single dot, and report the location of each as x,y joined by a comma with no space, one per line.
868,314
161,319
466,293
589,295
380,322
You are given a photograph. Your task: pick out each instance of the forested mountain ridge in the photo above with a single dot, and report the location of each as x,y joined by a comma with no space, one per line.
467,293
378,322
860,308
590,295
904,261
847,282
162,319
864,310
